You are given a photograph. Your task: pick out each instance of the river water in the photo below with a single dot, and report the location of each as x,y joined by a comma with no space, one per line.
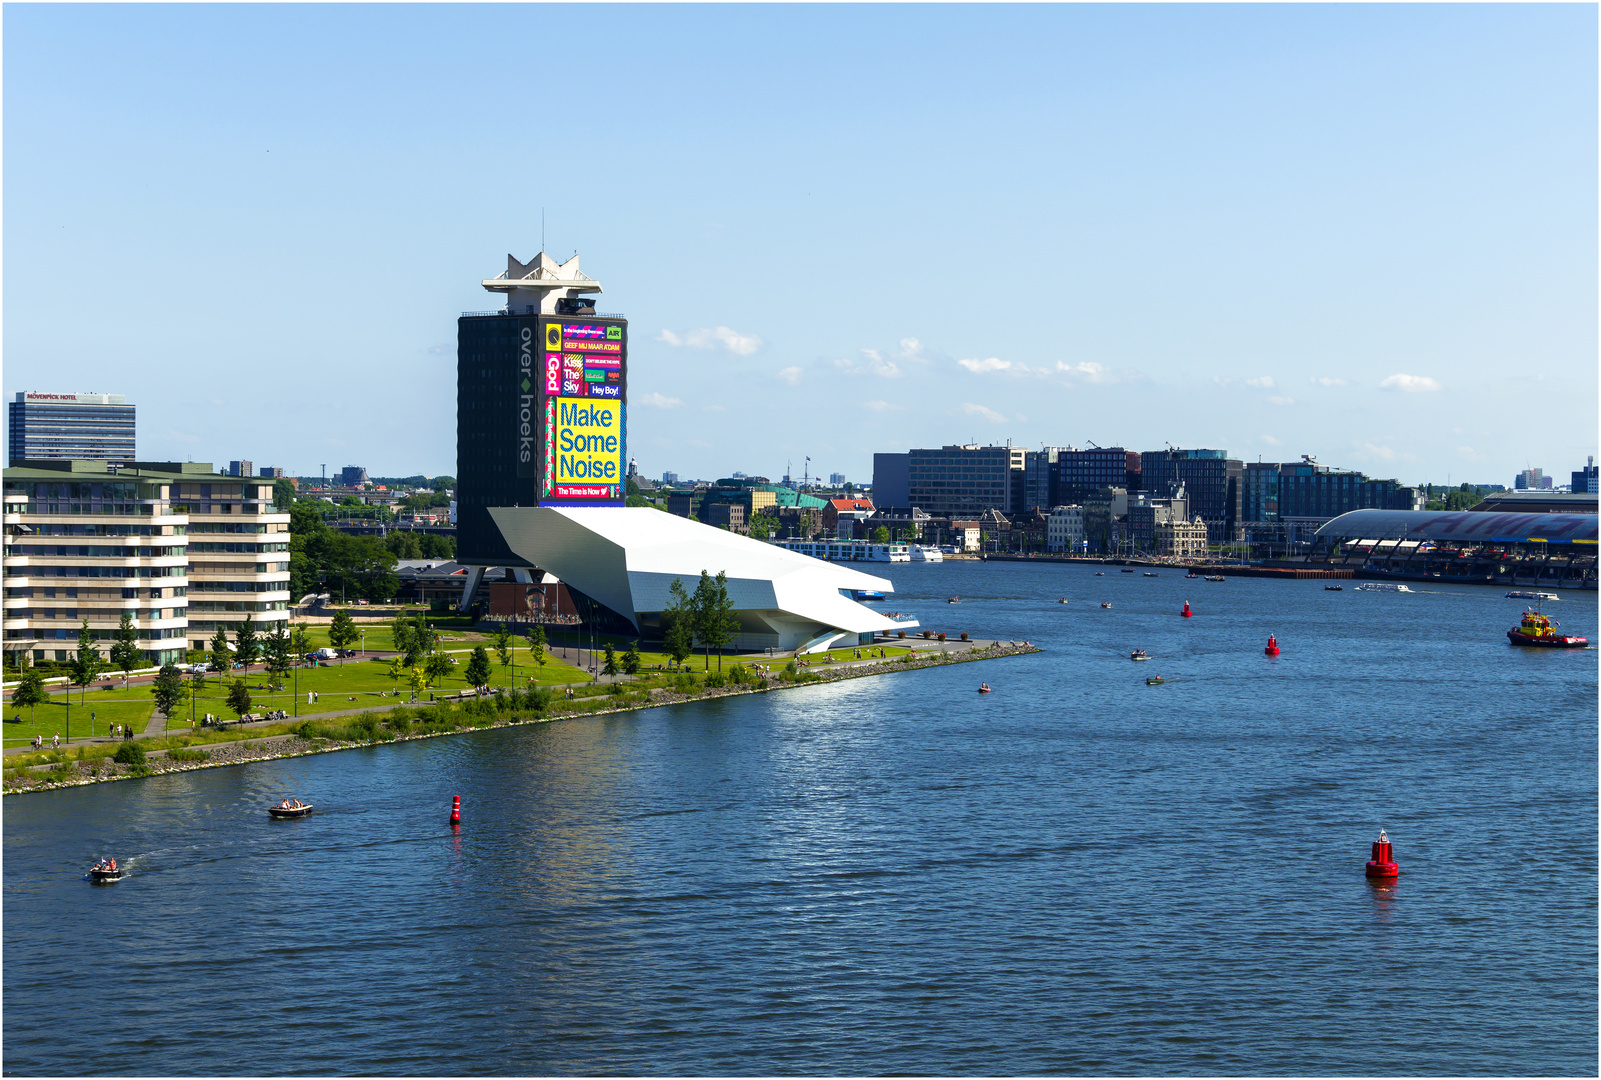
1074,874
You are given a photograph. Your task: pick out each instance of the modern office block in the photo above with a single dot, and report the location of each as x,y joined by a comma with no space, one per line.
84,427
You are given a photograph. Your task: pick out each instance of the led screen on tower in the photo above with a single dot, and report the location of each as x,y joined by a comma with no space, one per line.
582,394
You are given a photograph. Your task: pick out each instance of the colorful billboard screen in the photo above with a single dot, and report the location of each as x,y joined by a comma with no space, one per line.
583,449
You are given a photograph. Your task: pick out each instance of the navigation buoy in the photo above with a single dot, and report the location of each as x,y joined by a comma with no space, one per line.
1187,613
455,809
1272,646
1383,862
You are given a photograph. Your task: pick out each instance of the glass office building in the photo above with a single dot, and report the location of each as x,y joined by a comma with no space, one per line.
81,427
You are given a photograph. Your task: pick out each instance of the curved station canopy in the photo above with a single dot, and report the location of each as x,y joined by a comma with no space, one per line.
627,558
1473,527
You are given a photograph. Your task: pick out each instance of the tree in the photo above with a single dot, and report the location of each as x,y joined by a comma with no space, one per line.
505,641
435,546
221,655
86,664
169,689
29,693
239,698
713,615
280,650
299,643
478,667
881,535
536,644
438,666
403,544
419,682
610,667
631,659
678,622
283,494
400,632
342,631
762,527
247,649
125,652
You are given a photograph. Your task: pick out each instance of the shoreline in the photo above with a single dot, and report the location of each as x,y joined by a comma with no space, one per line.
247,750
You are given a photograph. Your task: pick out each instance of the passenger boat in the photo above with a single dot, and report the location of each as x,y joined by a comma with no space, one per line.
288,809
1139,654
1540,630
867,594
1521,594
1334,588
1382,586
103,872
1149,574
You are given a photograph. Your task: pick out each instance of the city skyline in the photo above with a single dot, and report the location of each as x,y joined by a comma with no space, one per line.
1366,234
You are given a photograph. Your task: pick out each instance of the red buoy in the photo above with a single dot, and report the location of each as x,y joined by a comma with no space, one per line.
1383,862
1187,613
455,809
1272,646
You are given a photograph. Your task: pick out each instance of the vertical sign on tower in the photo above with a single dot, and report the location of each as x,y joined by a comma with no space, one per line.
584,392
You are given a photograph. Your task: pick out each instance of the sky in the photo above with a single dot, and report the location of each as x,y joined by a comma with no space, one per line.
1362,232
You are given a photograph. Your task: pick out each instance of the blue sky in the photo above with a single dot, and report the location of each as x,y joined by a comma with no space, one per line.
1365,232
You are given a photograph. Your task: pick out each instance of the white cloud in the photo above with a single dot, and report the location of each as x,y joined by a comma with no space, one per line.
1379,451
1410,384
1087,371
791,375
876,362
978,410
881,406
1324,380
713,337
1280,400
1263,383
994,363
660,401
1271,441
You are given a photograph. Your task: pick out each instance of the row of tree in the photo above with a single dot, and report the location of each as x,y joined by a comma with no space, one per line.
705,618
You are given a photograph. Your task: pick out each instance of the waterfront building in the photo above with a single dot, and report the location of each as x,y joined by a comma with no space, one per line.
1065,529
541,394
965,479
1083,472
1146,515
903,522
846,511
1587,481
1261,499
892,481
1040,479
272,473
1180,539
177,546
1501,547
1212,479
83,427
1105,515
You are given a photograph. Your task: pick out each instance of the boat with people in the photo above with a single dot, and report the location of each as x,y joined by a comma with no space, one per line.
1063,600
1214,577
106,870
1192,574
1540,631
1155,680
1334,588
954,600
1523,594
1382,586
1106,604
1100,573
1128,569
1149,574
1139,654
983,688
290,808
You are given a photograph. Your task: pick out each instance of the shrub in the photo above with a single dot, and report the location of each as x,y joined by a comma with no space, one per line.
964,635
684,684
615,689
791,668
715,680
538,698
130,753
900,633
738,676
927,634
182,754
942,637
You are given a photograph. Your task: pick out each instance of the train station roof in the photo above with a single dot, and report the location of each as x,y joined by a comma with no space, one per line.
1472,526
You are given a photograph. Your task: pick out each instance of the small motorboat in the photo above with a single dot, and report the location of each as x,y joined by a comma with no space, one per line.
1540,631
290,808
1100,573
1334,588
1191,574
1149,574
1105,604
1214,577
983,688
1063,600
1155,680
104,872
1128,570
954,600
1139,654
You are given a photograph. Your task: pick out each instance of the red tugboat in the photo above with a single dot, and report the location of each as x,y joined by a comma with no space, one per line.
1540,630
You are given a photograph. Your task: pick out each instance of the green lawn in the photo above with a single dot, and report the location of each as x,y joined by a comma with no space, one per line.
108,707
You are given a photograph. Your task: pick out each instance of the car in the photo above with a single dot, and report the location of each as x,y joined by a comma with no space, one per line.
345,652
196,669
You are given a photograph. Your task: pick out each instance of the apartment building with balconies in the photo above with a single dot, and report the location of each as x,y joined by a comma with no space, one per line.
180,548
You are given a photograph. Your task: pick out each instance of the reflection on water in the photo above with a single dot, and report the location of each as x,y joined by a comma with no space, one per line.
1072,874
